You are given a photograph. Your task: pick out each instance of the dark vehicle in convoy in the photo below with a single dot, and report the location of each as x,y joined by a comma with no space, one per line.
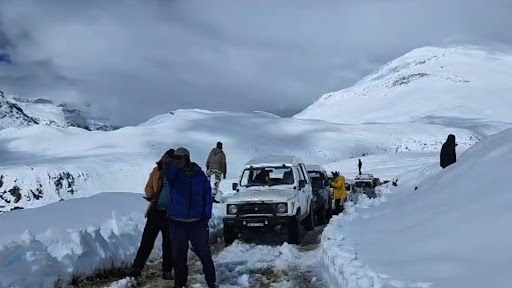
272,191
322,197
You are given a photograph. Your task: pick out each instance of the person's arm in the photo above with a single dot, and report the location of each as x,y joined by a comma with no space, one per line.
208,199
149,189
224,165
208,160
170,173
336,184
442,158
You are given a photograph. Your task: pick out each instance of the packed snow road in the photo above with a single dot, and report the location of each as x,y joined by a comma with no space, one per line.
256,262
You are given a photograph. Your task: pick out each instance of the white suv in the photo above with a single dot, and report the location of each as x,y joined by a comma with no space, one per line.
272,190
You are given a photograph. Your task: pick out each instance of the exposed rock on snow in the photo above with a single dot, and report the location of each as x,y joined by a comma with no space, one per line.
19,112
12,115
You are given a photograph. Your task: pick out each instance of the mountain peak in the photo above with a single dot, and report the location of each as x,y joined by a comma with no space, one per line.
428,84
12,115
21,112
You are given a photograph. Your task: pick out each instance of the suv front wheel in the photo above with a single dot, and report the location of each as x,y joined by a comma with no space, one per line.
309,221
294,231
230,235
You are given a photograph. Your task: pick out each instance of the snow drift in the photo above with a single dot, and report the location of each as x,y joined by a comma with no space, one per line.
452,231
458,87
47,246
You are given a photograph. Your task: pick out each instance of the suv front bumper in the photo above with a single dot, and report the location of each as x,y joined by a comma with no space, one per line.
257,221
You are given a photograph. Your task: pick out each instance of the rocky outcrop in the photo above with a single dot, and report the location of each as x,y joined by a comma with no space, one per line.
20,112
19,193
12,115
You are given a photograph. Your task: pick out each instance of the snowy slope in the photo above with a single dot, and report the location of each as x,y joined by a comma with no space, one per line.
43,164
451,232
458,87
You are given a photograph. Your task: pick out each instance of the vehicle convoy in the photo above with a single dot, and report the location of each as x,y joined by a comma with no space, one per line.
272,191
322,197
365,184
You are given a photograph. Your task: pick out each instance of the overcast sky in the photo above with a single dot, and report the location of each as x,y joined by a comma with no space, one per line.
135,59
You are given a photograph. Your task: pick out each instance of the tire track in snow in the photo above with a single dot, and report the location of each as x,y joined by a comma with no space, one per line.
239,265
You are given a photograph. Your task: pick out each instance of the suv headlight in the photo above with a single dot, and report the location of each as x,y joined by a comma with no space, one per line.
282,208
232,209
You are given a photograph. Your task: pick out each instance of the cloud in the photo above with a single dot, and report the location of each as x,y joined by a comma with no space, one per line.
134,59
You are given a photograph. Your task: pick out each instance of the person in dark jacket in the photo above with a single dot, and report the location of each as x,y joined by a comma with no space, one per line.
189,211
360,165
448,155
157,191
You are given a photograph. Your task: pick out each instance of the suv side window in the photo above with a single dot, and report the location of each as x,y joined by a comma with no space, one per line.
299,172
303,172
324,177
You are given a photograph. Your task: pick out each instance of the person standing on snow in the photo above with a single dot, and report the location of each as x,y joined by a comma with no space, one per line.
216,165
360,165
340,192
157,191
189,211
448,155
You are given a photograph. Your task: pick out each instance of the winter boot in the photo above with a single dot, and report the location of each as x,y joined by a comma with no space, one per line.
134,272
167,275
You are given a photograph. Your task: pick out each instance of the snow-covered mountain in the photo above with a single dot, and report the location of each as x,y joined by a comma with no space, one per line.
20,112
12,115
458,87
43,164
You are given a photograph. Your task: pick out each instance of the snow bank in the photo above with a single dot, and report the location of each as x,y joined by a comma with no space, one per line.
339,257
73,238
446,227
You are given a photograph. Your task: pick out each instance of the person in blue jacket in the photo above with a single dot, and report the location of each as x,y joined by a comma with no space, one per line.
190,209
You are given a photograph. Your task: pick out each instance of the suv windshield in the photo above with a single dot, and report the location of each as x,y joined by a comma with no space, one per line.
267,176
363,184
317,181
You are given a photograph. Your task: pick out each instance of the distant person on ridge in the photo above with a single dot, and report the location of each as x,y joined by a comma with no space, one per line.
360,165
157,191
216,165
189,212
448,154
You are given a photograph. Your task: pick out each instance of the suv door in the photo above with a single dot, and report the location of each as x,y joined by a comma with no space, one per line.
301,196
307,191
326,190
